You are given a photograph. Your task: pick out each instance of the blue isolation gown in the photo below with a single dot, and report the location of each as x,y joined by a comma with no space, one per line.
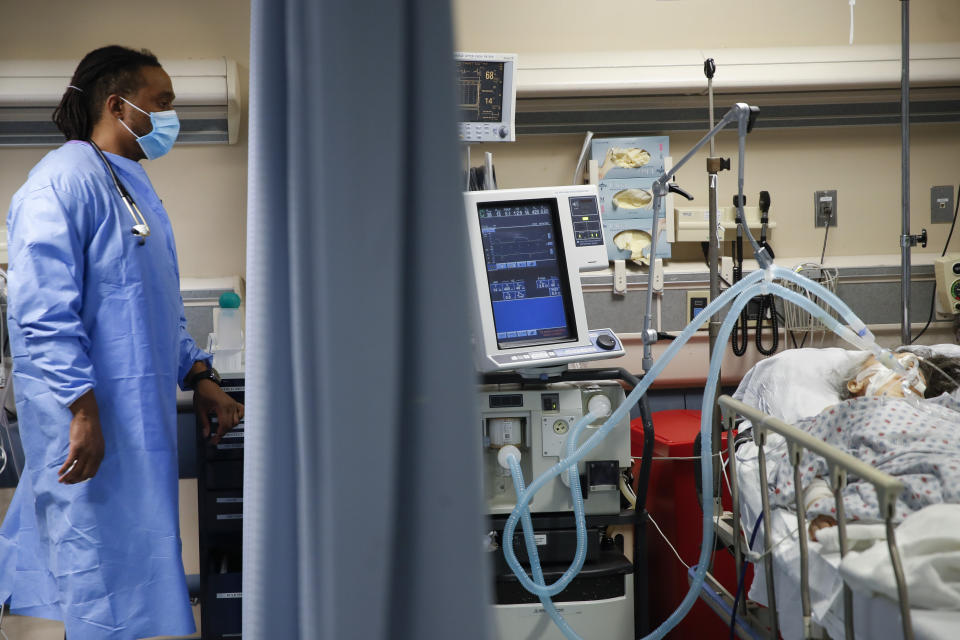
90,308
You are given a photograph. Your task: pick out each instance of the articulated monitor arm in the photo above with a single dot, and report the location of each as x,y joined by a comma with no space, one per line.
745,116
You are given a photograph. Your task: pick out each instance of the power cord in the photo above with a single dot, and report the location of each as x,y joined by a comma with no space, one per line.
826,232
767,308
628,493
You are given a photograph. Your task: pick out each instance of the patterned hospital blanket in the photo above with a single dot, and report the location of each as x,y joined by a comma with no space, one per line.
919,443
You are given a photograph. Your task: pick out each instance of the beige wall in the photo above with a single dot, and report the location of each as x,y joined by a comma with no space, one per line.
528,26
862,163
203,187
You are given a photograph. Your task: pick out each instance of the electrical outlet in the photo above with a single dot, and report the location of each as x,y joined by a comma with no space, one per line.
941,203
825,208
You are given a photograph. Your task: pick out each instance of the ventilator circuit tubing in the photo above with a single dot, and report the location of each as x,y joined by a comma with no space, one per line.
581,528
576,495
759,282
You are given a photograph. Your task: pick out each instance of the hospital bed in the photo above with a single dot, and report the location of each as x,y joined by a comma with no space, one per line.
810,594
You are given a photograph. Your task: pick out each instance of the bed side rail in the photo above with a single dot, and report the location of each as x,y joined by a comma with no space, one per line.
840,464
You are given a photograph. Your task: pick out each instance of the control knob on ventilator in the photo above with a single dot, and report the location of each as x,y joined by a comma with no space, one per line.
606,342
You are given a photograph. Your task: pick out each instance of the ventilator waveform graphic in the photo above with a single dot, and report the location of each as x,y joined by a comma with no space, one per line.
517,237
519,248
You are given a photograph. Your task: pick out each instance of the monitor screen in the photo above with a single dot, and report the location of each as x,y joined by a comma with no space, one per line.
526,272
481,90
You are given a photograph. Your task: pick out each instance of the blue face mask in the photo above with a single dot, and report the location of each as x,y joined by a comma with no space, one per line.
160,140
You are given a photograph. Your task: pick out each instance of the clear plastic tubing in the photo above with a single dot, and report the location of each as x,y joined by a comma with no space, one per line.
577,496
856,324
531,545
857,334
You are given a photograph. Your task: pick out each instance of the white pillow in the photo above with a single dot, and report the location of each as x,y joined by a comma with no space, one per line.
798,383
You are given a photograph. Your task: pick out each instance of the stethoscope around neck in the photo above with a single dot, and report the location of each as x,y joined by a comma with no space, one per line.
140,227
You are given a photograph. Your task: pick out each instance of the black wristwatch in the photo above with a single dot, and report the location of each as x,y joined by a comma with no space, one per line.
207,374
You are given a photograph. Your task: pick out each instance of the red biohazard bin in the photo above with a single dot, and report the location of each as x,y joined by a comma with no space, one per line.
672,503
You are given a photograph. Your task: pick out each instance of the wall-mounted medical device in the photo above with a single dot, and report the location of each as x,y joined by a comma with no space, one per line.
487,90
947,271
528,247
208,100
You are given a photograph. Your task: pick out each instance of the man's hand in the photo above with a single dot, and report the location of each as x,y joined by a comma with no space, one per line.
209,398
86,441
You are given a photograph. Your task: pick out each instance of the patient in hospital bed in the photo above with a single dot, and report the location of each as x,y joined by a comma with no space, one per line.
903,427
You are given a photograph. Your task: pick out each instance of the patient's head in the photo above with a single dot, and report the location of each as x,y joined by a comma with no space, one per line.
927,377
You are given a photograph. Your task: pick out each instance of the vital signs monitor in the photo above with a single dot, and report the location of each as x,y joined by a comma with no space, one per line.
487,89
528,247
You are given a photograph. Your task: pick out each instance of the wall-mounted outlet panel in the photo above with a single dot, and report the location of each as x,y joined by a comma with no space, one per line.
825,208
941,203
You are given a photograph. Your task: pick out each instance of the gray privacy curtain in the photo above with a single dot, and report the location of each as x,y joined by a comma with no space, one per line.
363,510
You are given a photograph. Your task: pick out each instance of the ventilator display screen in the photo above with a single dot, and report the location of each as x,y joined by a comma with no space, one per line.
526,272
480,84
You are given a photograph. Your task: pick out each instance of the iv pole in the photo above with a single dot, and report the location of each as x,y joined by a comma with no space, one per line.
906,239
714,166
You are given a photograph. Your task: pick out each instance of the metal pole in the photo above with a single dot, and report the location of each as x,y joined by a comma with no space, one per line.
760,439
901,581
905,169
838,478
795,454
735,500
713,250
713,257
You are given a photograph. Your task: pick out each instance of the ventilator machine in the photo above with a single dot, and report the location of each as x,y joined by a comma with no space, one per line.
528,247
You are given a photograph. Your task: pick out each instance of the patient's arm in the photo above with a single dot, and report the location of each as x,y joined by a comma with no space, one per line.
818,490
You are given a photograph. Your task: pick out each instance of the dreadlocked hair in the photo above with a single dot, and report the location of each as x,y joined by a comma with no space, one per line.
933,368
101,73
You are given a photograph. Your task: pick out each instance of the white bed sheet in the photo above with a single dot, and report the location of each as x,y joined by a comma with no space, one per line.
792,385
875,616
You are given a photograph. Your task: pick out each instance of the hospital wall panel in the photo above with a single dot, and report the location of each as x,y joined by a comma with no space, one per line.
875,298
203,187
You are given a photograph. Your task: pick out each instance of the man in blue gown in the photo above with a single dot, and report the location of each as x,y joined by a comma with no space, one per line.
99,343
